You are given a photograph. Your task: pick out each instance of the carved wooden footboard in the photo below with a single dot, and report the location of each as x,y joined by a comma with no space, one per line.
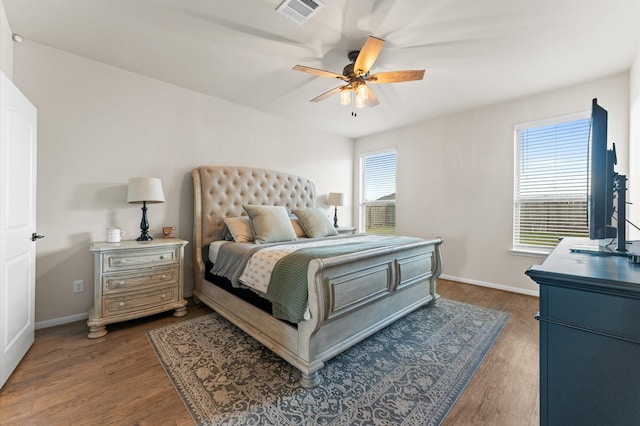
350,296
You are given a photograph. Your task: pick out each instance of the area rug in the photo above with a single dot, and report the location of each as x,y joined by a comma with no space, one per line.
409,373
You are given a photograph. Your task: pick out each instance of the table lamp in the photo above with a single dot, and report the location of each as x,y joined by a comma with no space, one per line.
144,190
336,199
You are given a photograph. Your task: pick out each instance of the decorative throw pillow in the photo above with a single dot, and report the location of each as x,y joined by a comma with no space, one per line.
315,222
240,229
270,224
297,227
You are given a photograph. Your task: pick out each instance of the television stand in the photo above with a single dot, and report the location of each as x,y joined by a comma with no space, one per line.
589,338
620,188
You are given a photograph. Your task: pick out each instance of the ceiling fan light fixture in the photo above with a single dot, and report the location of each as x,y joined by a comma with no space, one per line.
355,75
345,96
362,91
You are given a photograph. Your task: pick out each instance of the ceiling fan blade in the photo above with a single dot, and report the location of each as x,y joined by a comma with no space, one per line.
368,55
321,73
396,76
372,99
327,94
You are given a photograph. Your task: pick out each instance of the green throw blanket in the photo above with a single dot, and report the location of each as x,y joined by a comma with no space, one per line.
288,290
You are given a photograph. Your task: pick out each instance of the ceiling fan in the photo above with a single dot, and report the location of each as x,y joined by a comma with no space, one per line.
356,75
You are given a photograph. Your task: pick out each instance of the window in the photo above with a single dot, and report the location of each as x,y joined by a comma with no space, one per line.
378,192
551,182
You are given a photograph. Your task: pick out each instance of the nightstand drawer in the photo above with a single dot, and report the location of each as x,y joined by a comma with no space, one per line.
117,283
139,301
139,259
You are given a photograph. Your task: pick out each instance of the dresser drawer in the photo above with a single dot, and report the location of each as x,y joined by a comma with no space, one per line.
139,301
122,282
610,314
119,261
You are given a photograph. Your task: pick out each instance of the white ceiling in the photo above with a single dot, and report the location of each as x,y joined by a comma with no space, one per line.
475,52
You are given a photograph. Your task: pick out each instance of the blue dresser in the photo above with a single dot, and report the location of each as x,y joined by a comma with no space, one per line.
589,337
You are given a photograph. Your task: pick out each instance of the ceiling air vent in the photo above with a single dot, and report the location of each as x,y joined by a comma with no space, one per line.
299,10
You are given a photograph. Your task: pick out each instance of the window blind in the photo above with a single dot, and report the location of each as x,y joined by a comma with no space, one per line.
378,197
550,200
380,176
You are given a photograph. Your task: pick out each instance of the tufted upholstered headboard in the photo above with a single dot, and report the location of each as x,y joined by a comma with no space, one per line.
220,192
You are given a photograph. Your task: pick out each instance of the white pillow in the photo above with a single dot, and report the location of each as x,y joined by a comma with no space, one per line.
315,222
270,224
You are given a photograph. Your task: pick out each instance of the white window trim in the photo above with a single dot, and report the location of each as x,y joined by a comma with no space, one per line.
522,250
361,157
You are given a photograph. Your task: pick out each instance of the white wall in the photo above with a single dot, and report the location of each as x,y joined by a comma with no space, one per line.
6,44
455,177
633,196
99,125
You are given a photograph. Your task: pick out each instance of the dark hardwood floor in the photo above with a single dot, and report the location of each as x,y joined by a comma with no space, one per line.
505,389
67,379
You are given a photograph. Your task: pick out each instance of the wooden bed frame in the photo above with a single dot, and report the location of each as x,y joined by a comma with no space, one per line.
350,297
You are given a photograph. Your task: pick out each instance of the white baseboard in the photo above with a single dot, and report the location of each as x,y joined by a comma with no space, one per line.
535,293
72,318
61,320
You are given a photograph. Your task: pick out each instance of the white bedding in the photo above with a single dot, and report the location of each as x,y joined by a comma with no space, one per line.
257,273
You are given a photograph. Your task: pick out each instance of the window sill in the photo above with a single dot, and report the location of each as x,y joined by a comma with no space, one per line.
530,252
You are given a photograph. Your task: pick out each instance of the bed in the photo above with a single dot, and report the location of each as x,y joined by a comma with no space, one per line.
350,296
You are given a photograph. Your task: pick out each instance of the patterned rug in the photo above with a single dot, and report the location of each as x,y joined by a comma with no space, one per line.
409,373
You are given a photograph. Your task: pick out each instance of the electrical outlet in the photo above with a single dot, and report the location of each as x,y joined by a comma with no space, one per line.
78,286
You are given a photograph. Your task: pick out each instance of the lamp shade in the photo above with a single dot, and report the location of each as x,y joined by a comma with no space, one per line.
336,199
143,189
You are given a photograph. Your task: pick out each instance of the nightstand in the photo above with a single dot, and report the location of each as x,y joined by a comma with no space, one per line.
133,279
346,230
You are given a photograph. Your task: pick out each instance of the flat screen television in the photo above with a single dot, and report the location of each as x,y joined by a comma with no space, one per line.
607,196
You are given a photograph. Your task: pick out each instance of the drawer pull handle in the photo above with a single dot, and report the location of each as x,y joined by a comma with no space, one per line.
162,257
121,304
164,296
164,276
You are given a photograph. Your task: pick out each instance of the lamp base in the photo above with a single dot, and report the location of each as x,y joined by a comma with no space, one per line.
144,237
144,225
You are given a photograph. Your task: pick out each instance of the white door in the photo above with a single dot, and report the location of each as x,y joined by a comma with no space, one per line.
17,226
